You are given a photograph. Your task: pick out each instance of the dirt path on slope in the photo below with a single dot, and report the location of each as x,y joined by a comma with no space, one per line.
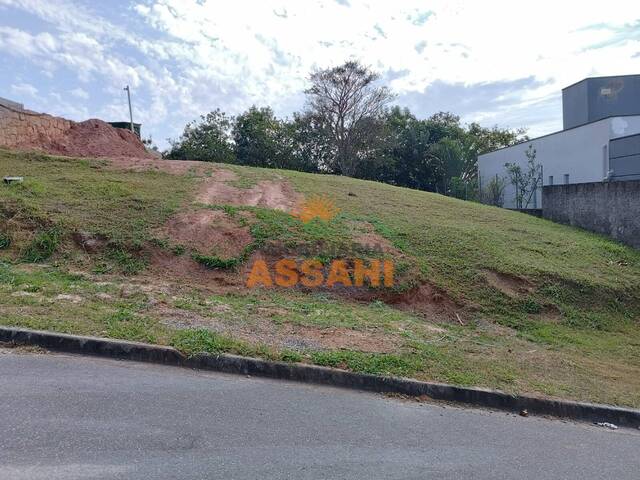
275,194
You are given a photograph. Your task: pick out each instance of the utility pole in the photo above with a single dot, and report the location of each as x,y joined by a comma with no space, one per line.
130,111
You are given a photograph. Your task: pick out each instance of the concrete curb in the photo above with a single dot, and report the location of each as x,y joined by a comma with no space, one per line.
298,372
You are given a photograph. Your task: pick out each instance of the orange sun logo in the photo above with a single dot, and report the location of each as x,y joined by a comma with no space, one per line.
317,207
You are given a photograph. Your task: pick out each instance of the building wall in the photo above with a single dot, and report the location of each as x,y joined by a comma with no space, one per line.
19,127
575,106
611,96
610,208
578,152
597,98
624,158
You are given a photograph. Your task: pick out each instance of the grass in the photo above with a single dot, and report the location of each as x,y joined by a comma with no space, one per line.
42,246
574,333
83,195
211,261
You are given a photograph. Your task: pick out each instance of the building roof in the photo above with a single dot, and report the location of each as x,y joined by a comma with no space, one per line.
601,77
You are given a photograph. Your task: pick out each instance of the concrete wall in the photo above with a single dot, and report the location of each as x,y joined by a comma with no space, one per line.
19,127
610,208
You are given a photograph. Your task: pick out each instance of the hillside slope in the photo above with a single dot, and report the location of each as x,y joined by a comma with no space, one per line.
161,251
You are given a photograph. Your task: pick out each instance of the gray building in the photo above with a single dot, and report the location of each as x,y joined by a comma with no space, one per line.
593,99
600,140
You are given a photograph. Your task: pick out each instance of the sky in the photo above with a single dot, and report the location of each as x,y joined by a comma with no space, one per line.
494,62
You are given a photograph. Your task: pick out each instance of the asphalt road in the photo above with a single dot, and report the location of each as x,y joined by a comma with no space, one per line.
68,417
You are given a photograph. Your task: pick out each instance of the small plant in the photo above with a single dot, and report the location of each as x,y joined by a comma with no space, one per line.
529,305
291,356
493,194
5,241
525,182
43,245
210,261
178,250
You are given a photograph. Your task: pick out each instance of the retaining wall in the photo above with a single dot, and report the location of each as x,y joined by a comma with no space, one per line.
610,208
19,127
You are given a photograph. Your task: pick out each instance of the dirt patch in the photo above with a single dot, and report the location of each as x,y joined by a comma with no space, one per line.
92,138
209,232
278,195
511,285
174,167
366,236
184,271
336,338
89,242
265,331
426,300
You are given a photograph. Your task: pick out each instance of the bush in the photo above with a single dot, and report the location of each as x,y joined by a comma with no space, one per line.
43,245
215,262
5,241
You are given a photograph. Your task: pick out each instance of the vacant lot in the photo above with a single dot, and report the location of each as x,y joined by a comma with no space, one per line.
159,252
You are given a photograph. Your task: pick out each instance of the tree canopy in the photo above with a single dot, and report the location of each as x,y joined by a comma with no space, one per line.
348,128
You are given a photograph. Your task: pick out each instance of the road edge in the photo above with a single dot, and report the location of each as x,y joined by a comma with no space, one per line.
299,372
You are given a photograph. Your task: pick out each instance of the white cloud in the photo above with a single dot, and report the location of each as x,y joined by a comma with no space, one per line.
80,93
24,89
187,57
268,48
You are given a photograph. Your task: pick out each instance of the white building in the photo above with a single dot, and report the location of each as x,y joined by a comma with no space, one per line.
600,140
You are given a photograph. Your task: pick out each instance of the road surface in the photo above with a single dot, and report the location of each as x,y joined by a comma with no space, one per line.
71,417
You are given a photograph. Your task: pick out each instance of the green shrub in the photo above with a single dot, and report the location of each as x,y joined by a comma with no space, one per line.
43,245
215,262
5,241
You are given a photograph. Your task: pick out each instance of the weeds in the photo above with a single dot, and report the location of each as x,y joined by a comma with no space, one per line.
42,246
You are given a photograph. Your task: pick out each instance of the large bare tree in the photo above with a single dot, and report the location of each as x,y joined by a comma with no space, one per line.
347,100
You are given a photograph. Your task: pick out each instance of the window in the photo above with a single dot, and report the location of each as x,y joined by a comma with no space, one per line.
566,179
550,179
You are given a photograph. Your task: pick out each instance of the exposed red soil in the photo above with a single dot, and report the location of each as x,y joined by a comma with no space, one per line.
94,138
174,167
209,232
278,195
427,300
184,271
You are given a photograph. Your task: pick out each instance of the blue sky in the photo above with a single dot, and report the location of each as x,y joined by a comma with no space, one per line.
495,62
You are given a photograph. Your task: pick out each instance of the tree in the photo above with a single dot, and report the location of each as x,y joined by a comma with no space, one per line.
480,140
311,146
526,181
345,99
408,160
208,140
258,139
493,194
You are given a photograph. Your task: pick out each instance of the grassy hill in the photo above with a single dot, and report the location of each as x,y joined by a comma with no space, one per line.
159,252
